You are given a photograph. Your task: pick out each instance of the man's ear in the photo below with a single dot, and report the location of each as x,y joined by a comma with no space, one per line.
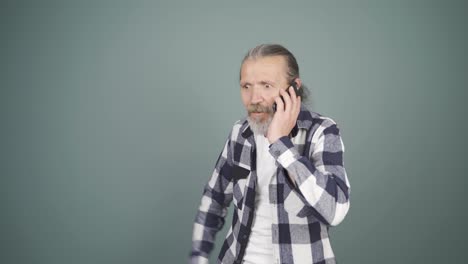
298,81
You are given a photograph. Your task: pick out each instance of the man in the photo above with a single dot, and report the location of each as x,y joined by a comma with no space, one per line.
282,169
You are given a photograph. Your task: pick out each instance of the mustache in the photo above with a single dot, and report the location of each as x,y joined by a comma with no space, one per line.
258,108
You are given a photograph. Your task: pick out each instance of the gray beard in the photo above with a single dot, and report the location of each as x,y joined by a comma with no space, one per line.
259,127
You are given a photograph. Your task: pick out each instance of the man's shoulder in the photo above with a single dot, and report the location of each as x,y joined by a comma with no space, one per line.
238,127
240,122
309,119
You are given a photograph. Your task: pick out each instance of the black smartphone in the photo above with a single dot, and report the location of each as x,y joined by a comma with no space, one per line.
294,85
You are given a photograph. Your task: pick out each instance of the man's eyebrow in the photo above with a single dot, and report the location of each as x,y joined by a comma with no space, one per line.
262,82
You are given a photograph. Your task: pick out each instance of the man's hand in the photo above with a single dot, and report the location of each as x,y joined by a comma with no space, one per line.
285,117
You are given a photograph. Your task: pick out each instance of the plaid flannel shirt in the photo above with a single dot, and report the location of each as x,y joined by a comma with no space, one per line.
302,210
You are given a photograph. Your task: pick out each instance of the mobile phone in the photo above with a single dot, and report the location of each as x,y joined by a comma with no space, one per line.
294,85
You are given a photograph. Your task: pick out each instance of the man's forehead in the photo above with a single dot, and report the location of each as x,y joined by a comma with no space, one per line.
270,68
267,61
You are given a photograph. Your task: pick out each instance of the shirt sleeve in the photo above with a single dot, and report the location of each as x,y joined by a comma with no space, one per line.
216,198
320,176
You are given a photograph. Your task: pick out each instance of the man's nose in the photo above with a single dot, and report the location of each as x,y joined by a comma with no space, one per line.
256,96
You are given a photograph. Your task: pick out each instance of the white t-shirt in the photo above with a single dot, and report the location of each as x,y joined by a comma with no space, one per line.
259,248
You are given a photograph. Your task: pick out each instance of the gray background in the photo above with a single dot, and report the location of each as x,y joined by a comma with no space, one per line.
113,114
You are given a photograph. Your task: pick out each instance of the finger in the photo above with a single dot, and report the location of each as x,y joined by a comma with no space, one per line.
293,105
293,94
287,100
292,91
298,106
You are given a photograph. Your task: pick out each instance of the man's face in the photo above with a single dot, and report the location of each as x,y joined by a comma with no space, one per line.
261,81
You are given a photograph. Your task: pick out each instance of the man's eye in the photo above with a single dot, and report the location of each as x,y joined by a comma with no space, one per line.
267,86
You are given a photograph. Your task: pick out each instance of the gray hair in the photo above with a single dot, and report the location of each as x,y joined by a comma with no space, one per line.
266,50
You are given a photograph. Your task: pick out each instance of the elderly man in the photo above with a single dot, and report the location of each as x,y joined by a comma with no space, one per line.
281,166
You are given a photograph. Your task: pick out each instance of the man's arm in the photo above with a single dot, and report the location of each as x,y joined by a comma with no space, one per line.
321,178
210,218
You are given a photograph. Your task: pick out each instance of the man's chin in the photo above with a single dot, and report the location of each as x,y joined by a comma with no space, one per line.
259,125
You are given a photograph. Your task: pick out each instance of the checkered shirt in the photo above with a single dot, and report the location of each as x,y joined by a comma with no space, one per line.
303,209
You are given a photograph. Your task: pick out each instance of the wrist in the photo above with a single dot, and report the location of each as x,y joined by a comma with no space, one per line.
273,138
